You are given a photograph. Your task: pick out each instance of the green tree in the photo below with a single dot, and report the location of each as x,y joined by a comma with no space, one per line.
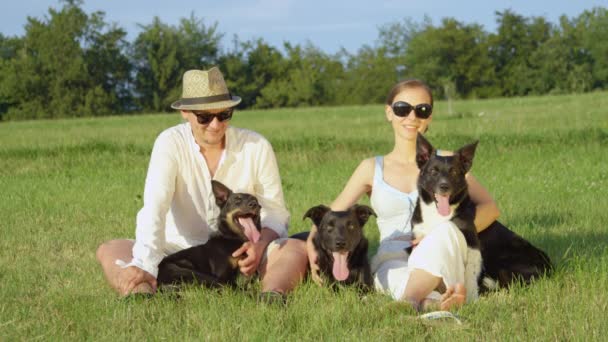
312,79
593,26
199,43
560,64
250,67
108,66
9,46
394,37
162,53
369,75
54,71
452,58
517,39
157,69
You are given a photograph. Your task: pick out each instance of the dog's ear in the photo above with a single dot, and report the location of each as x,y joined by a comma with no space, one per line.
221,193
316,214
363,213
466,155
424,150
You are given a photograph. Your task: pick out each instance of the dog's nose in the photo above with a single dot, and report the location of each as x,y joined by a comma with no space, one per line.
253,205
340,243
444,187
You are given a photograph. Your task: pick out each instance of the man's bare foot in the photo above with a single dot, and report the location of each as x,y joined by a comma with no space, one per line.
143,288
453,298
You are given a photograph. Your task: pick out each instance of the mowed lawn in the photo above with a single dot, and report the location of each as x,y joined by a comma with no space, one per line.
68,185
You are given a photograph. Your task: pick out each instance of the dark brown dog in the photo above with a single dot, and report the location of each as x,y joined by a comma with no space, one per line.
212,263
341,245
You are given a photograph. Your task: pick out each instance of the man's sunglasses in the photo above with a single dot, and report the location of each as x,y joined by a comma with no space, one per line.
403,109
205,118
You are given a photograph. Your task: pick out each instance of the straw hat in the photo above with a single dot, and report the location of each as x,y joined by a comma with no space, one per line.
205,89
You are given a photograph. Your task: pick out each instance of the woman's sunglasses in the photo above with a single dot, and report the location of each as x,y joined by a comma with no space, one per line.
403,109
205,118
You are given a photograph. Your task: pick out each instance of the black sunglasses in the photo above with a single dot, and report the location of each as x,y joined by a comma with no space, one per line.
403,109
205,118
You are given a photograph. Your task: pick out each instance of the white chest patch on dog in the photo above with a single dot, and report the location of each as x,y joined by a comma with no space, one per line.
431,218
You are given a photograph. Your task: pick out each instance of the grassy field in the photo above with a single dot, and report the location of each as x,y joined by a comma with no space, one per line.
69,185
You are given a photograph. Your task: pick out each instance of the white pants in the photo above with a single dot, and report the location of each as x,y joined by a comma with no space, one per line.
442,253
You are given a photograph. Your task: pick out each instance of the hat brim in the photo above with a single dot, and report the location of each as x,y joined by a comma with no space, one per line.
234,101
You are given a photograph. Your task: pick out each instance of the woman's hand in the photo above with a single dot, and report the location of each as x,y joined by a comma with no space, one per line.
315,271
416,241
131,277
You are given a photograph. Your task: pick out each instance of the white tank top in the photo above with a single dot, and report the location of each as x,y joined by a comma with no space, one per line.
394,209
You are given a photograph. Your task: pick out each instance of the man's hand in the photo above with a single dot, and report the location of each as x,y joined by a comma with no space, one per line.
253,255
254,251
132,277
315,271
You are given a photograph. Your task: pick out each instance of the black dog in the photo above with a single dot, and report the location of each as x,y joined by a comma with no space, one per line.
506,256
212,263
443,196
341,245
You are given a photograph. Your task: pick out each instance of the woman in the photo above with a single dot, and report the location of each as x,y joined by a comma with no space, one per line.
390,181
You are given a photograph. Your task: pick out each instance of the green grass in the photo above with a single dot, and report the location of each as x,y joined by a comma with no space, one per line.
68,185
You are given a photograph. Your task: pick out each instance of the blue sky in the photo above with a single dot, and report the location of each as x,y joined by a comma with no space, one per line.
328,24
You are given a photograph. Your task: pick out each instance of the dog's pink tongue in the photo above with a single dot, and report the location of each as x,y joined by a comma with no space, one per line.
252,233
340,269
443,204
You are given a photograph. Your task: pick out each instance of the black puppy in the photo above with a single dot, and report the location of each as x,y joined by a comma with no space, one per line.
212,263
341,245
443,196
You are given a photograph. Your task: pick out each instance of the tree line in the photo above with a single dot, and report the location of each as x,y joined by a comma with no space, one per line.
73,63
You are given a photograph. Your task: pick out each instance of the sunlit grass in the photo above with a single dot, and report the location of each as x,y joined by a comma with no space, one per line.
68,185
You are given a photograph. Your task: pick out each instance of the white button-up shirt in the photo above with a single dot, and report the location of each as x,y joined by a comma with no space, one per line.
179,207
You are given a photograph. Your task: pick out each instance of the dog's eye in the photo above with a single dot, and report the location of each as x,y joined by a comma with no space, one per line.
434,171
329,228
351,226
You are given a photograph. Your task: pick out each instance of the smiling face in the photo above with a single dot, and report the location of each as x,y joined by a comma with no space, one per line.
210,134
408,127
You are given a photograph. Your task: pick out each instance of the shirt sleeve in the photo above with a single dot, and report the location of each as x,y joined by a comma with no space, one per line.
158,195
274,214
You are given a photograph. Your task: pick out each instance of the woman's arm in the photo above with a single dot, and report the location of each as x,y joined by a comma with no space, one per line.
486,208
359,183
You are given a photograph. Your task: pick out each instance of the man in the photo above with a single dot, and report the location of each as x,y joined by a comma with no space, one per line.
179,207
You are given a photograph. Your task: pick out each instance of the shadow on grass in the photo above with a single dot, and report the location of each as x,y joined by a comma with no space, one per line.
546,231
